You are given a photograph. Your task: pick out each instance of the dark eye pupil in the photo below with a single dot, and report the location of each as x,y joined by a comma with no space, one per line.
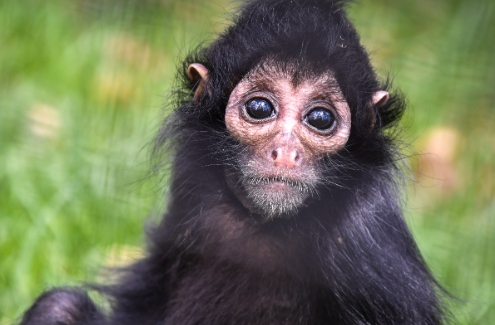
320,118
259,108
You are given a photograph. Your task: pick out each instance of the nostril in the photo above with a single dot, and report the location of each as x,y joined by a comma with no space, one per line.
275,154
288,158
296,155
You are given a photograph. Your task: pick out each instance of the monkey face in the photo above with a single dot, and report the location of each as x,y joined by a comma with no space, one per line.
286,127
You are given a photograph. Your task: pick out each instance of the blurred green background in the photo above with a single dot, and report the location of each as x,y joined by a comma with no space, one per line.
82,88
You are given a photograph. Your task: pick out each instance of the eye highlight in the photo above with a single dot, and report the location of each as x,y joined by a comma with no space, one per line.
320,118
259,108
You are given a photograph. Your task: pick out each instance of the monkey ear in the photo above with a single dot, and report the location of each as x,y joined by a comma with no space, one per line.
198,74
378,99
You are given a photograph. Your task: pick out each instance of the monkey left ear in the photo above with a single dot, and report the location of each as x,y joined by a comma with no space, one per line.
198,74
380,98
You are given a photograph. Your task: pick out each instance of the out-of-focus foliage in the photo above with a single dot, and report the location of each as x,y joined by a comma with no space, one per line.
82,86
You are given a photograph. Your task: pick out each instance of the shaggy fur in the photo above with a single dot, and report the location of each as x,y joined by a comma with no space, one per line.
347,257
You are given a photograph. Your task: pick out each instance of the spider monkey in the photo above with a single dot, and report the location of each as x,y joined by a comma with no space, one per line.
284,202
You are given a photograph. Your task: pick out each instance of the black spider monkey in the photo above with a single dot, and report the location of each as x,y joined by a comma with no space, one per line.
284,204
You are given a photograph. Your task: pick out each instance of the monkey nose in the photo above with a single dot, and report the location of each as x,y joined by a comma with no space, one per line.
283,157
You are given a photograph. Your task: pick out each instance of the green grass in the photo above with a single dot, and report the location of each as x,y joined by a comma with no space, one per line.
82,85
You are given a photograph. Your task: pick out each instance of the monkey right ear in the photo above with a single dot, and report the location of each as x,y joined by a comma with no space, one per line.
198,74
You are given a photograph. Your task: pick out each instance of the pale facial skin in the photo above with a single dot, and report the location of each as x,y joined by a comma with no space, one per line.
286,129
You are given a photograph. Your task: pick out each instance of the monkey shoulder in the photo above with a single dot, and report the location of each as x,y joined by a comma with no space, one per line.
63,306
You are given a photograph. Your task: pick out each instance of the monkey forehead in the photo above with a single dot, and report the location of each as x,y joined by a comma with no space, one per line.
270,73
322,88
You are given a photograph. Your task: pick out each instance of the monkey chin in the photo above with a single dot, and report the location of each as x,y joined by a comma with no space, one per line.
276,199
271,197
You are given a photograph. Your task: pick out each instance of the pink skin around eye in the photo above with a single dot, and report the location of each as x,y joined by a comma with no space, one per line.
291,107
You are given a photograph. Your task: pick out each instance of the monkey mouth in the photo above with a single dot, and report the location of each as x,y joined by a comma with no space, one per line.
271,196
279,182
276,196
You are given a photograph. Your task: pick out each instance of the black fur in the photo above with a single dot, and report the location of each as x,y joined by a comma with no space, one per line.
63,306
346,258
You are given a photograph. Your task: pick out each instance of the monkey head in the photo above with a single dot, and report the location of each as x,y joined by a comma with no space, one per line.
285,126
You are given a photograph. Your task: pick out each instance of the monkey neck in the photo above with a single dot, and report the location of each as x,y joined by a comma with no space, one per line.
222,228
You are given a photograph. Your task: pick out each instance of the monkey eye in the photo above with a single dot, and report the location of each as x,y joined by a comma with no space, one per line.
320,118
259,108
